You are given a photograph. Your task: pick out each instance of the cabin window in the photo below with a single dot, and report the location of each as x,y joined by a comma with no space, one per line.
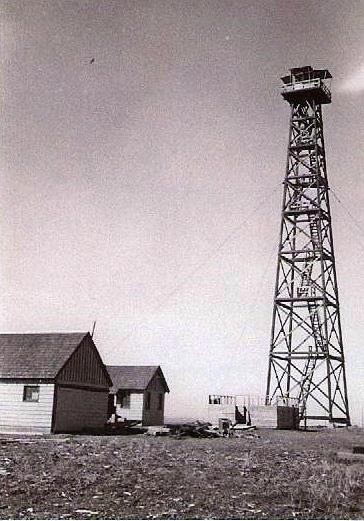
147,400
160,402
123,399
31,393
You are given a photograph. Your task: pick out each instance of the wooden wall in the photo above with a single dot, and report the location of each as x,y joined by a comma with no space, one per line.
84,367
138,404
19,416
79,409
154,415
135,412
217,411
288,418
264,416
82,389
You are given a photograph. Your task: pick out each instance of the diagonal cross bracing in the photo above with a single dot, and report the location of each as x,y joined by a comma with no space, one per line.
306,323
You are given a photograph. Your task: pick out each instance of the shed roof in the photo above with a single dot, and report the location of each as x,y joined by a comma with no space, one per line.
36,355
135,377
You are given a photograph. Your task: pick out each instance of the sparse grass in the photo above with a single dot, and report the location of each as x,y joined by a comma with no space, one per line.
281,475
329,488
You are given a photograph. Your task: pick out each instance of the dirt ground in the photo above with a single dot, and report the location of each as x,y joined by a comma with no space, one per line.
279,474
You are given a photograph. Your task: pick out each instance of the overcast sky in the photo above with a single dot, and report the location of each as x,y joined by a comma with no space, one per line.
143,151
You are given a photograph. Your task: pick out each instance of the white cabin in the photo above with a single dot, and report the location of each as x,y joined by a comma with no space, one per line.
51,382
138,393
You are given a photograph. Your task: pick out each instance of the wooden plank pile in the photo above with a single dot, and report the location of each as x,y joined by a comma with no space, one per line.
196,429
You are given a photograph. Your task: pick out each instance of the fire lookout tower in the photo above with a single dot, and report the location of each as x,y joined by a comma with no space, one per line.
306,359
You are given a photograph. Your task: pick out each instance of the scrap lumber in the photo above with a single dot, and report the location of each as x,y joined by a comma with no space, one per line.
196,429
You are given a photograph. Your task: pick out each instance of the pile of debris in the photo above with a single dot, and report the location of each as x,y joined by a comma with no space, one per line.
202,429
196,429
193,429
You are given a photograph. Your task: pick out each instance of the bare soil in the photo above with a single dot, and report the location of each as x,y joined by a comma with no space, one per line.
280,475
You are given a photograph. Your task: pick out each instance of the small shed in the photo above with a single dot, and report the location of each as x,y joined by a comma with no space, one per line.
52,382
138,393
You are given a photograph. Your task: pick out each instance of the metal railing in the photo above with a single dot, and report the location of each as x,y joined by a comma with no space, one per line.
307,84
238,399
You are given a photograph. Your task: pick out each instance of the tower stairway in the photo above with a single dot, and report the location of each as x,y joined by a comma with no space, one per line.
315,236
306,382
313,309
307,289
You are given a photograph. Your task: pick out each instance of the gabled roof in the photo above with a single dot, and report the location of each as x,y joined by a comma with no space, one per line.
134,377
36,355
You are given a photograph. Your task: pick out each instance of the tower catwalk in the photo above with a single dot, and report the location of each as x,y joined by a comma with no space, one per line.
306,359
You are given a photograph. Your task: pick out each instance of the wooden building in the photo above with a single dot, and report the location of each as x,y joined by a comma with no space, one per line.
52,382
138,393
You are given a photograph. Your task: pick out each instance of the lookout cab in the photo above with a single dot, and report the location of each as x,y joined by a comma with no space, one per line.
305,83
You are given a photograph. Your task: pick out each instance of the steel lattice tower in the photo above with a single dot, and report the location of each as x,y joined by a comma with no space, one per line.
306,359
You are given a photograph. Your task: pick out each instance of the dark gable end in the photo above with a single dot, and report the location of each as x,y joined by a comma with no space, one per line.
85,366
158,382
